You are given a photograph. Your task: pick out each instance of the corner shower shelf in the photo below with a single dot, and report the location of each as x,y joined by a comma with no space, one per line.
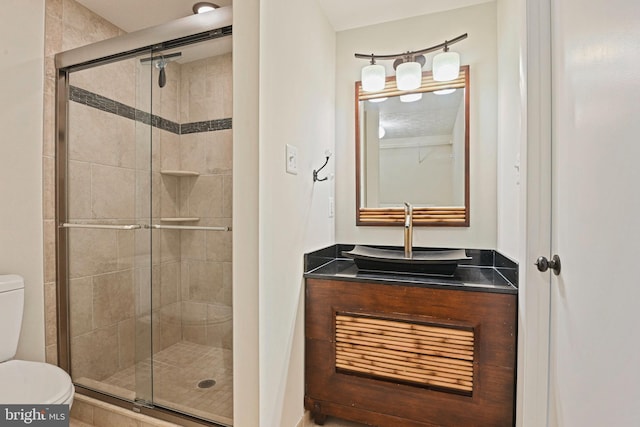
179,173
177,219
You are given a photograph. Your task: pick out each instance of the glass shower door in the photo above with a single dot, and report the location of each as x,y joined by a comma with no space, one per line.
108,240
147,183
191,219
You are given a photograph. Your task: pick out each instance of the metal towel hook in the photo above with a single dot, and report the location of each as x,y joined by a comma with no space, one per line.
315,172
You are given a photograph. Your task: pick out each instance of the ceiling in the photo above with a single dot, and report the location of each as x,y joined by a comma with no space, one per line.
132,15
347,14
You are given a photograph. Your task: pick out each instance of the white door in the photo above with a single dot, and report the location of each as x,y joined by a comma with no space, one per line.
595,302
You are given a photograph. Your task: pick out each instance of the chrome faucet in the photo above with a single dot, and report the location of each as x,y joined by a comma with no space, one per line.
408,230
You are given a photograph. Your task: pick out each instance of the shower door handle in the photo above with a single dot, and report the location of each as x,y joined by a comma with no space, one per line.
102,226
138,227
188,227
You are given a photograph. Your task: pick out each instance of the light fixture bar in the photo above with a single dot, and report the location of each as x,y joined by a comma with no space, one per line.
446,43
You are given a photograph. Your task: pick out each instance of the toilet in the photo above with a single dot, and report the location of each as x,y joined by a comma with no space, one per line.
21,381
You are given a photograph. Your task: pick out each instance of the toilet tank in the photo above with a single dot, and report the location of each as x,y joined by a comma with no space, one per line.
11,305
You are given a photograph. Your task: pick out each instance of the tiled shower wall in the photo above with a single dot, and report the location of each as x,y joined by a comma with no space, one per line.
206,255
109,176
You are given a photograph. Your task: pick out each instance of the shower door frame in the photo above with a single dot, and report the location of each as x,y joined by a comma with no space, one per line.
181,32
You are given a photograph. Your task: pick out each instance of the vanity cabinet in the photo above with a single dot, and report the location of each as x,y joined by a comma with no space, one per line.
394,355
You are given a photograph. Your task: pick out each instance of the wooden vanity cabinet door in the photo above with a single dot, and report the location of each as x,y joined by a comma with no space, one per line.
372,398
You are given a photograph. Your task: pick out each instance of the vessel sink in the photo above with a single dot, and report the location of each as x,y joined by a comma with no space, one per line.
441,262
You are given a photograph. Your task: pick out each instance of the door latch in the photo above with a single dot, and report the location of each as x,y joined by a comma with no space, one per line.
544,264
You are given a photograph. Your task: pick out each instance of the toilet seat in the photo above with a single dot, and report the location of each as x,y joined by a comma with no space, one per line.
24,382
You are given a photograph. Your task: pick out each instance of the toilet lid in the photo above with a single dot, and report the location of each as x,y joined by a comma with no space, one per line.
23,382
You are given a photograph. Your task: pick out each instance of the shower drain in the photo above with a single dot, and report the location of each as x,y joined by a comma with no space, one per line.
206,383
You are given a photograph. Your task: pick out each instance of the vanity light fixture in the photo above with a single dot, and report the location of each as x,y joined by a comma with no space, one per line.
204,6
411,97
444,91
446,65
373,77
409,74
408,66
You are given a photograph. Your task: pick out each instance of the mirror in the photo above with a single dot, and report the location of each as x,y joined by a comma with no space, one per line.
413,146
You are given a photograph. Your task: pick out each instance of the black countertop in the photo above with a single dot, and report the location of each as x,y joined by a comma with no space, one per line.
487,271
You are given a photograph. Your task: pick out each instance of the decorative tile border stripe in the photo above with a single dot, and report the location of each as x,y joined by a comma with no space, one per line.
206,126
157,122
102,103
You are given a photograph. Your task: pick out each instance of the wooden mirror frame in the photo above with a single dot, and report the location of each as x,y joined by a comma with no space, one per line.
448,216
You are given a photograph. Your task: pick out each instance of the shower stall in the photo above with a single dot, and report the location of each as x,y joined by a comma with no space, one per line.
144,211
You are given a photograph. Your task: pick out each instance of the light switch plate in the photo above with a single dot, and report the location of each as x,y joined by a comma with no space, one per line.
292,159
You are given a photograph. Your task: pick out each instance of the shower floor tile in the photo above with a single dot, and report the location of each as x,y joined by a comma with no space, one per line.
177,370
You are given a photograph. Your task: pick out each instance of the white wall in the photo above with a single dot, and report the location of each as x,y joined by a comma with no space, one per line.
510,126
21,106
296,106
430,165
246,374
479,51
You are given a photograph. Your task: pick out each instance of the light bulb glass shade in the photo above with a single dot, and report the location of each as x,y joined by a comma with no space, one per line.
204,6
373,78
376,100
411,97
408,76
381,132
446,66
444,91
